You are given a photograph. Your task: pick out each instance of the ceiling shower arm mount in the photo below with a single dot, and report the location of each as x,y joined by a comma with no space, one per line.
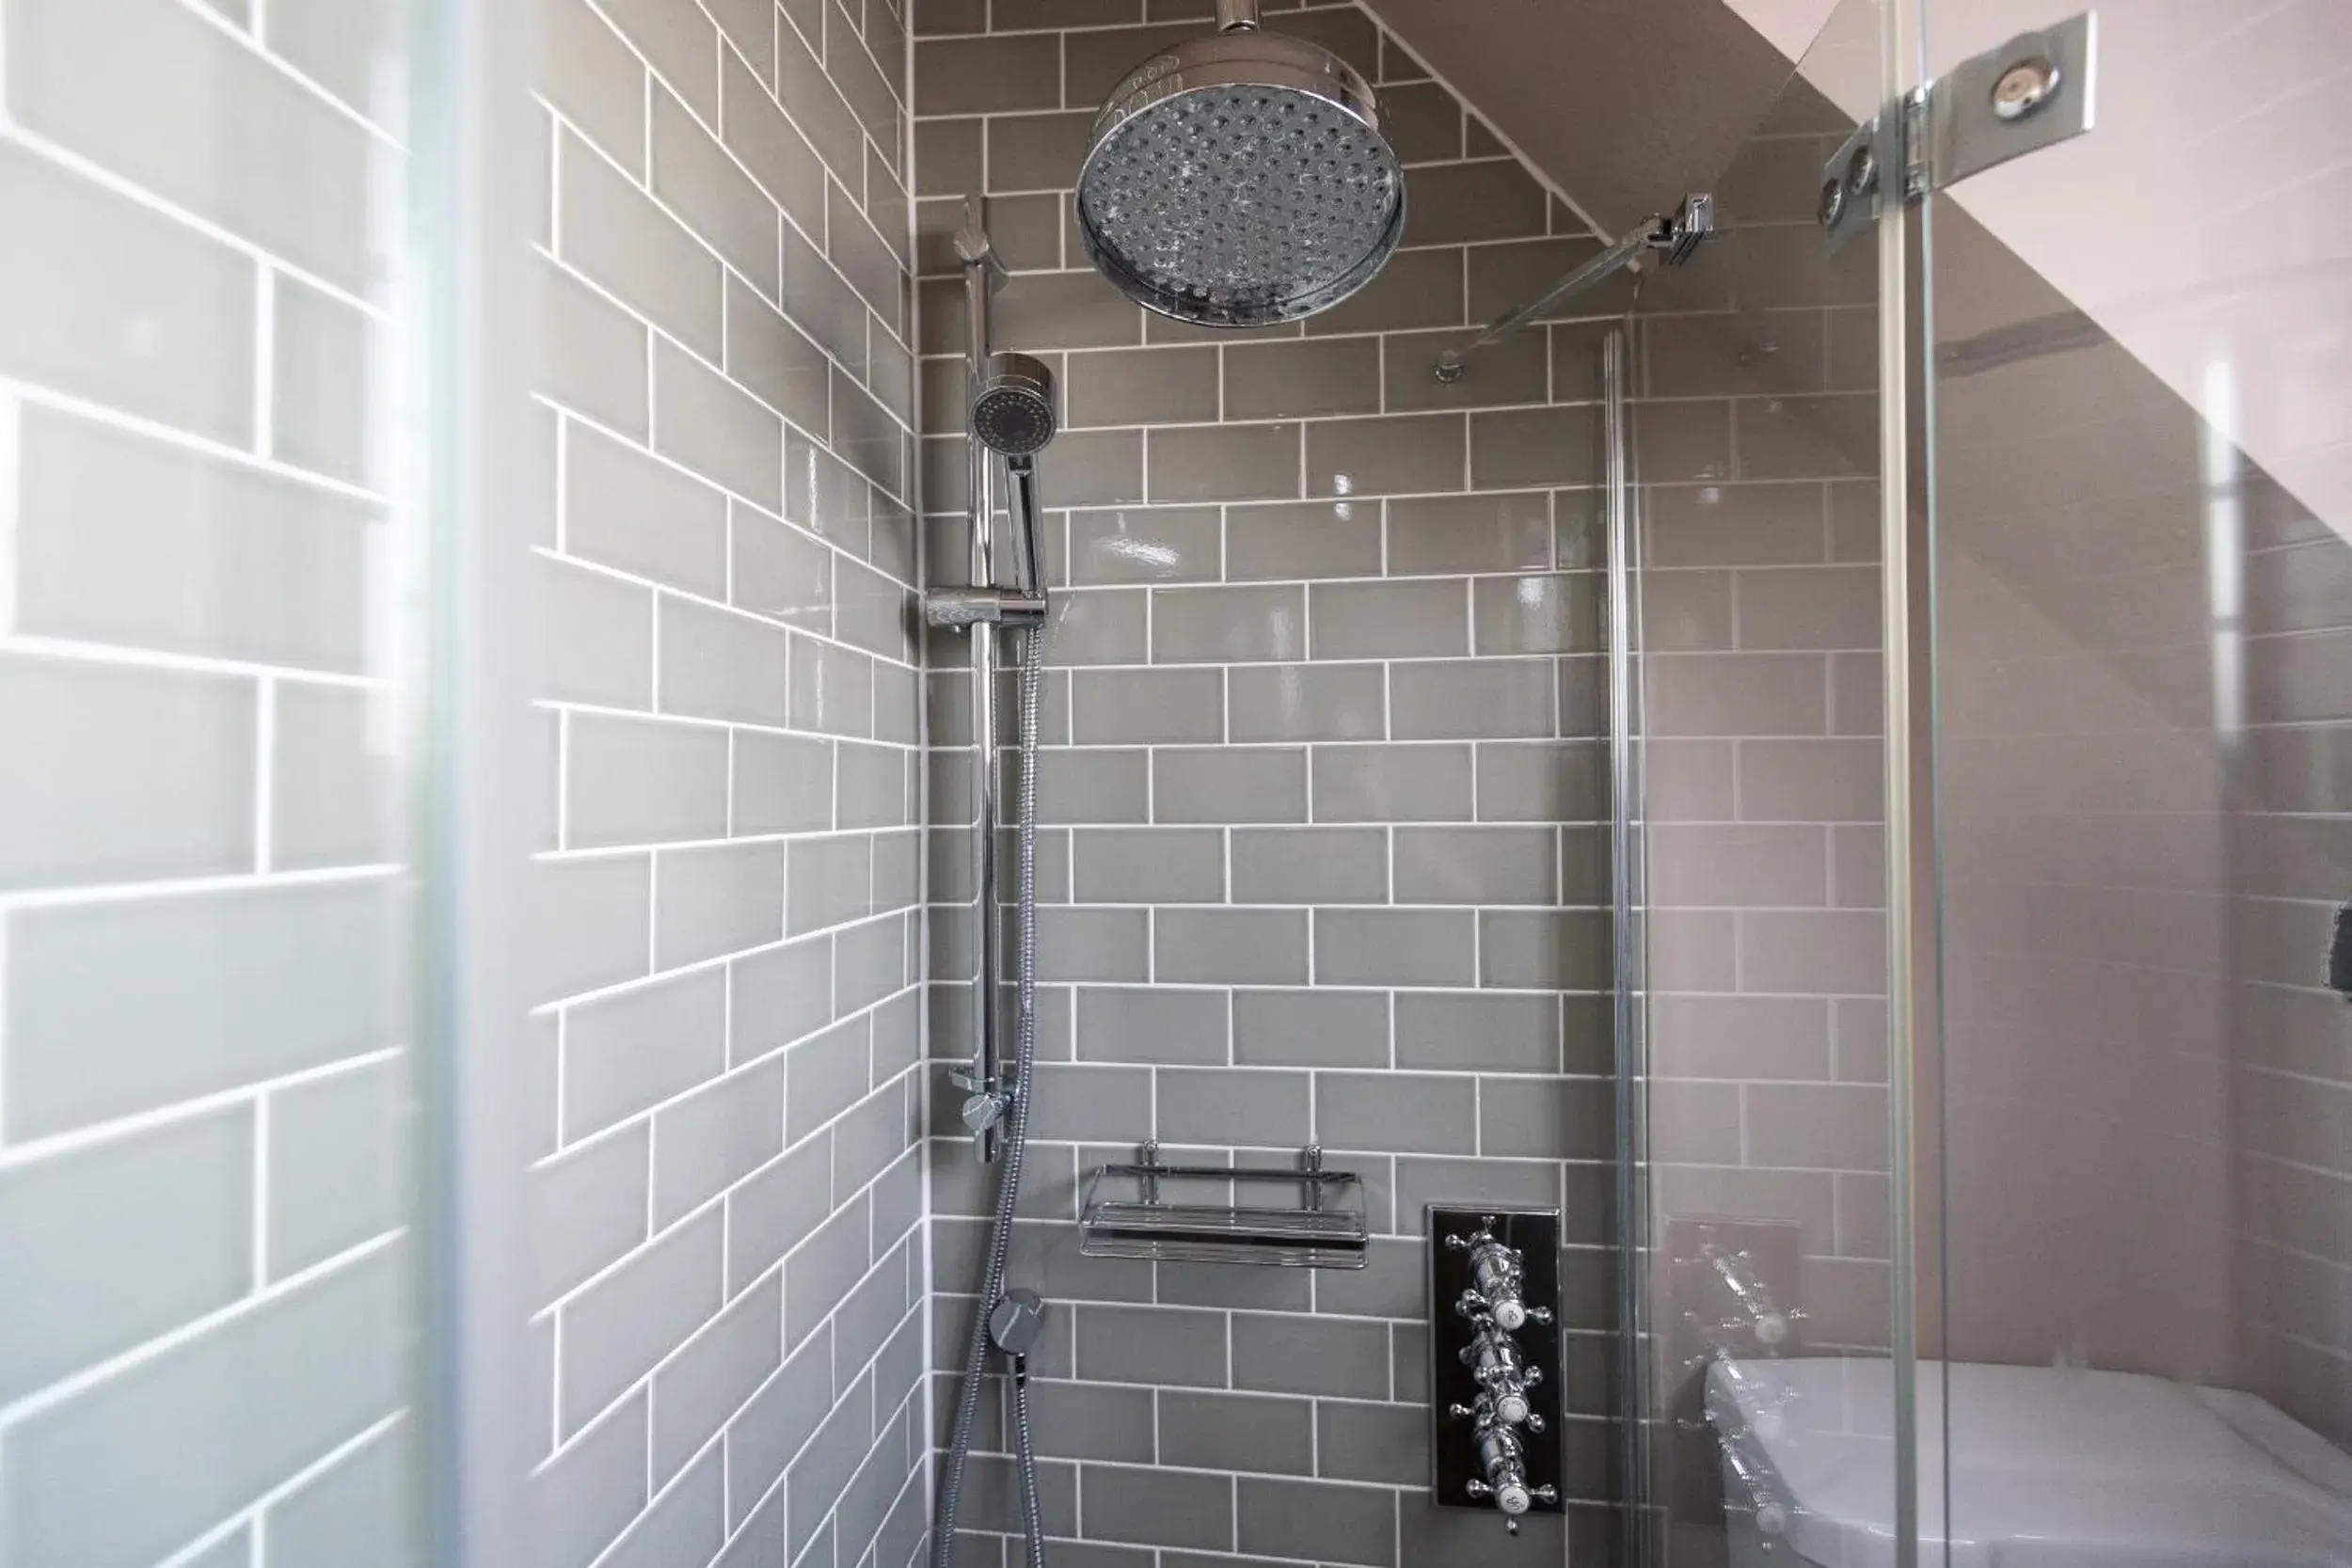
1673,236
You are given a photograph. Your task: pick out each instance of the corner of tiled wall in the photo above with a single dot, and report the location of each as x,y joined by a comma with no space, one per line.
1324,845
728,1202
203,1076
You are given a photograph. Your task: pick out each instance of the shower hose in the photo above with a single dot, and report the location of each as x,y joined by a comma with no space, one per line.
1016,1123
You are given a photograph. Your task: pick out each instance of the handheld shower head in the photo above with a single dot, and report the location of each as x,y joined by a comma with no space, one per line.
1241,179
1012,407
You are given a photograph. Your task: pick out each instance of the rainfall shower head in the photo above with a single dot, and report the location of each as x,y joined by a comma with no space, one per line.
1013,411
1241,179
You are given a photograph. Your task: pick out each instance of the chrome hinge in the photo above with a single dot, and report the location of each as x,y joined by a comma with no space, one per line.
2032,93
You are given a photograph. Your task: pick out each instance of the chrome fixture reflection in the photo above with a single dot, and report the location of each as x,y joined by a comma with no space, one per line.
1241,179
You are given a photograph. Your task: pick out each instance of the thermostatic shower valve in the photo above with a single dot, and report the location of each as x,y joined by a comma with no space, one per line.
1494,1294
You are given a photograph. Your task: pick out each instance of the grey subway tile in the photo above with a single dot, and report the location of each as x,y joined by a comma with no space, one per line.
1420,619
1286,1353
122,1007
1311,865
171,115
591,923
713,1138
1308,702
638,782
694,176
1475,865
1393,947
586,1211
625,508
1109,945
616,236
1407,1113
1311,1028
1229,784
782,784
1459,1031
266,1392
1486,699
338,1165
128,1239
1503,532
597,638
721,664
628,1053
1154,386
1157,1507
1242,1107
124,774
1225,463
1148,865
1546,1119
776,1210
1401,455
369,1494
595,358
590,1493
167,530
1236,1431
1231,946
1150,1024
1312,540
332,794
1222,625
717,429
325,356
1544,949
1180,1347
1337,1523
1302,378
1147,706
1391,783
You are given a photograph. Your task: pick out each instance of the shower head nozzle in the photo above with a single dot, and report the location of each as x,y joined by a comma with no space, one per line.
1241,179
1012,410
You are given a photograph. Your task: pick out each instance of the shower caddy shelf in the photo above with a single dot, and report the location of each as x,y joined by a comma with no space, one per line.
1326,1231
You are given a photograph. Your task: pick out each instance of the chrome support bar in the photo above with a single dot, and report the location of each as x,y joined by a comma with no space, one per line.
1236,16
981,271
1674,238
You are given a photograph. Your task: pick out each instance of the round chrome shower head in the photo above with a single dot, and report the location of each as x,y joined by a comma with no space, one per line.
1240,180
1012,412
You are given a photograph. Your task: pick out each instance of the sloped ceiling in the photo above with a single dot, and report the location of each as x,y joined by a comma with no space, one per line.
2202,225
1621,103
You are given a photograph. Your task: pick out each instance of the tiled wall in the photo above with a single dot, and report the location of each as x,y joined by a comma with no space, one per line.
2145,825
1755,453
1755,457
1324,853
728,1256
203,1330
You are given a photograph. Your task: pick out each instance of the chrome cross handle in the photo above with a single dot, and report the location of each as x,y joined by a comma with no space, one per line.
1499,1274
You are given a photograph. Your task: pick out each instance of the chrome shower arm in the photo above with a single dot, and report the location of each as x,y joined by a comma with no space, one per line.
1674,237
1236,16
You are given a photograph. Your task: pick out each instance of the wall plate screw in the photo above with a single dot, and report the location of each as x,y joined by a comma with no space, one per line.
1861,172
2024,87
1832,205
